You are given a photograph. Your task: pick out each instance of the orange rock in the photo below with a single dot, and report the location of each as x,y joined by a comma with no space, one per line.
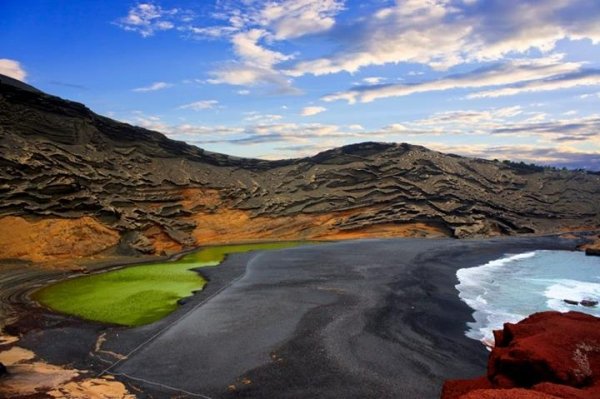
54,239
217,222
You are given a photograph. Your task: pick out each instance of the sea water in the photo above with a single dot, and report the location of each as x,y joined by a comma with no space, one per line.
517,285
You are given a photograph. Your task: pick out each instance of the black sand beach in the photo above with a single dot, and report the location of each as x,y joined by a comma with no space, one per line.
366,318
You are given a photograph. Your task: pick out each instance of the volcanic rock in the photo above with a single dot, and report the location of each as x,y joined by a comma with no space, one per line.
571,302
592,251
3,370
588,302
62,162
547,355
592,246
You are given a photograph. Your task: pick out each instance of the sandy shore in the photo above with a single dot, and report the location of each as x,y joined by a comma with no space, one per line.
366,318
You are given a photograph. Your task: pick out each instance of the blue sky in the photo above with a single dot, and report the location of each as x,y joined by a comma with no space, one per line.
288,78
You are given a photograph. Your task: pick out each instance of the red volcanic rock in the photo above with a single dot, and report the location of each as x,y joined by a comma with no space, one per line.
514,393
548,355
455,389
567,392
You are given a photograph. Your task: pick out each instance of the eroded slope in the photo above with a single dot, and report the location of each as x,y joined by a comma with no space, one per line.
147,193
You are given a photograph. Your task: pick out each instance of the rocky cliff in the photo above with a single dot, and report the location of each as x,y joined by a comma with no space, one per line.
549,355
80,184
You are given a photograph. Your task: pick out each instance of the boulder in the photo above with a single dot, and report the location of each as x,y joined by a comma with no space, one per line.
571,302
592,251
547,355
589,302
3,370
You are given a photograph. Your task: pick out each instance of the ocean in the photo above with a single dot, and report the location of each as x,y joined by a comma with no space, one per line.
511,288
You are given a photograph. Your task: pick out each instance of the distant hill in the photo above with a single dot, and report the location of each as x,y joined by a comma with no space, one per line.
80,184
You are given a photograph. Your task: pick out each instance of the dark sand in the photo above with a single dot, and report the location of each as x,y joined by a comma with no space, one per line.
355,319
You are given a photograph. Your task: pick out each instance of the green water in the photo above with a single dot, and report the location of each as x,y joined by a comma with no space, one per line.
141,294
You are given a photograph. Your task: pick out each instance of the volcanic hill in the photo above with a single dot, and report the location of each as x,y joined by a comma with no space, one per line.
75,184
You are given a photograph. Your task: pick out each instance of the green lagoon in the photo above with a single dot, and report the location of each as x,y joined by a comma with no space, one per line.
141,294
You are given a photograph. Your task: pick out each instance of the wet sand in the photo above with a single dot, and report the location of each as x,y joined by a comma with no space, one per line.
366,318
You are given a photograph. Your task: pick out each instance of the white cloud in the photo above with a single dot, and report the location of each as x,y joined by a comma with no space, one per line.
396,128
411,31
184,131
153,87
283,19
555,156
310,111
245,45
460,122
261,132
508,123
356,126
553,83
13,69
444,33
200,105
534,117
373,80
257,117
511,72
241,74
253,25
437,33
212,32
577,129
243,92
294,18
590,95
256,63
147,19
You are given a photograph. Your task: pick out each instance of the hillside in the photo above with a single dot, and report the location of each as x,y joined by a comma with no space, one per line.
79,184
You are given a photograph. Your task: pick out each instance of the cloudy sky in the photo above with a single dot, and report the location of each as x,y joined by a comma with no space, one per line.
516,79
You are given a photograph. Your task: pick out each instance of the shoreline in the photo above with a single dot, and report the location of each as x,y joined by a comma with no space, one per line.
426,280
511,288
99,262
387,319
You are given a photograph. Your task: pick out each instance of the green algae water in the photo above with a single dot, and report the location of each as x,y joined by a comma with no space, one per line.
141,294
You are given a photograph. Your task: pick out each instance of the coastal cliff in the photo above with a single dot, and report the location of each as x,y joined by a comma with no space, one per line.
548,355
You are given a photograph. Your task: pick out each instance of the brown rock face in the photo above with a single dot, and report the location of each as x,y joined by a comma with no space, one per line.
54,238
59,160
547,355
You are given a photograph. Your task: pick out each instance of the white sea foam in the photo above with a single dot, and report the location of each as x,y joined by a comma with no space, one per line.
570,289
474,285
511,288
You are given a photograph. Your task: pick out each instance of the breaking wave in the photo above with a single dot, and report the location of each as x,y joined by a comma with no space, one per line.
511,288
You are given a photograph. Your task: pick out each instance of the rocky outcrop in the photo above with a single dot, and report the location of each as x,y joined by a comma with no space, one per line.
592,246
59,160
592,251
54,238
548,355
